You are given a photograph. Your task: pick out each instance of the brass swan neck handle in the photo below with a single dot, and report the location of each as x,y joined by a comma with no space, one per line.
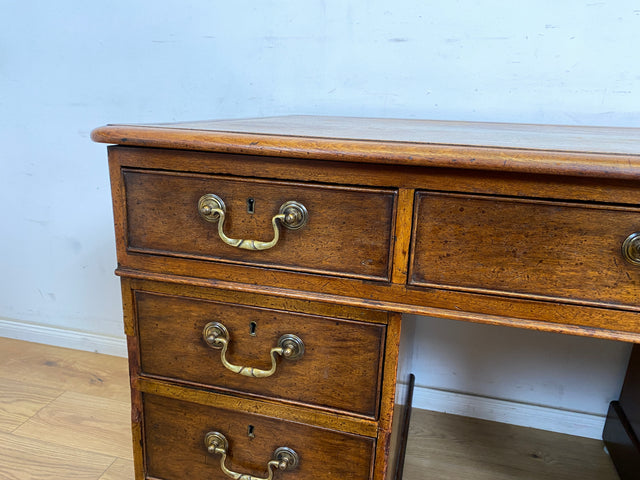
284,458
293,215
289,346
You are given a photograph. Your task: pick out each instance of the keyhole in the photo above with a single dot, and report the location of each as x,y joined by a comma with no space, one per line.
251,205
252,328
250,433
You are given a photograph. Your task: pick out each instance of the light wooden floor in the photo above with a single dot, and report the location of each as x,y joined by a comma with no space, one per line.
64,414
450,447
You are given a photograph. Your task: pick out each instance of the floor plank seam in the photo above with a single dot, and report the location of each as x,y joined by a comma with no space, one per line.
115,459
35,414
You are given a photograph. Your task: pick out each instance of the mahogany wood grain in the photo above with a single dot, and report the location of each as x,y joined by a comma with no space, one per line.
162,218
137,427
339,355
574,319
385,446
402,236
128,310
390,459
527,311
447,178
558,250
434,132
525,149
175,449
278,302
517,225
267,407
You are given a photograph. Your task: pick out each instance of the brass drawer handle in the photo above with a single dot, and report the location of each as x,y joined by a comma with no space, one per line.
289,346
631,248
283,458
292,215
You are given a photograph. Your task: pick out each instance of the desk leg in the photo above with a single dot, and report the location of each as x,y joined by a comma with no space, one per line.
622,428
404,432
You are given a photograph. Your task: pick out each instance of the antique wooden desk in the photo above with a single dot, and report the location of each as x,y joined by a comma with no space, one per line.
266,263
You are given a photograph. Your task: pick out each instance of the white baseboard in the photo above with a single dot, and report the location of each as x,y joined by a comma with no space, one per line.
503,411
60,337
514,413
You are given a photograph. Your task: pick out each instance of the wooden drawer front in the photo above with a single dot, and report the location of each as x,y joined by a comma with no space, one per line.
340,368
175,430
348,232
549,249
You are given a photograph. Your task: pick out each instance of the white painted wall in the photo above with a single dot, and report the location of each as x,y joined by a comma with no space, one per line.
68,66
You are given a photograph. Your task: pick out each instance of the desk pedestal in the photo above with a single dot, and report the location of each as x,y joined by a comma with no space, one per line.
622,429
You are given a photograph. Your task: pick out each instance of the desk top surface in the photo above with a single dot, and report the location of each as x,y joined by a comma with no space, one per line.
551,149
